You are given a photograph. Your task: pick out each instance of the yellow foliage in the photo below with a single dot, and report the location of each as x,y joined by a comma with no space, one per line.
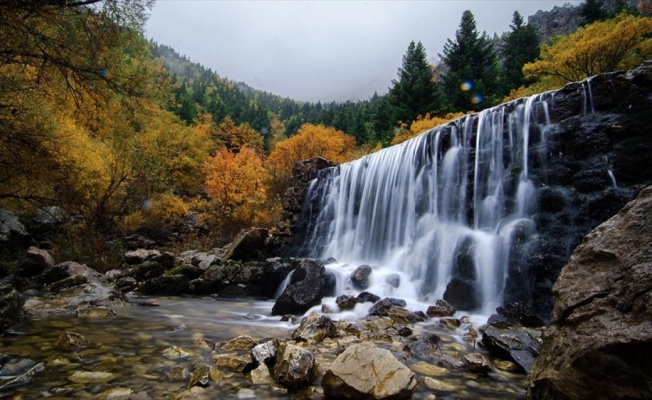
620,43
171,154
166,208
422,124
236,184
311,141
234,137
278,133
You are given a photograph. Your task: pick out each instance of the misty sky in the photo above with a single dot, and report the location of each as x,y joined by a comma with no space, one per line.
319,50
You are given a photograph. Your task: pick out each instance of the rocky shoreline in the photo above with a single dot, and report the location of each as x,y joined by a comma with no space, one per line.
320,358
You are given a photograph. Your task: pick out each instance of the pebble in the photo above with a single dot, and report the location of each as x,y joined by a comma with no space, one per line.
246,394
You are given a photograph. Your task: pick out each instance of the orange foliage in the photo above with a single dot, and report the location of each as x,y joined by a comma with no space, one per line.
236,184
311,141
234,137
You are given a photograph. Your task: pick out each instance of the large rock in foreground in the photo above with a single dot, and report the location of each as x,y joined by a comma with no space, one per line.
364,371
600,345
310,282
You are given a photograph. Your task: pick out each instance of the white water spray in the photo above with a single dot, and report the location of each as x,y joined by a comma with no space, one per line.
456,194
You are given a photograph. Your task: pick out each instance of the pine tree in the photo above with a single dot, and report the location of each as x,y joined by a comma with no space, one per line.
521,47
414,93
471,80
592,11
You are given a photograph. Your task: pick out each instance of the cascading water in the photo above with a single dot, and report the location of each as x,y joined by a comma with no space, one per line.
443,211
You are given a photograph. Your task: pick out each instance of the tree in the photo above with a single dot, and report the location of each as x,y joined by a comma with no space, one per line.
236,184
422,124
621,43
521,47
55,56
234,137
414,93
470,82
310,141
592,11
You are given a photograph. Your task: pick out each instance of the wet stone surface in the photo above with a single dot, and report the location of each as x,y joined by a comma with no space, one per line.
171,352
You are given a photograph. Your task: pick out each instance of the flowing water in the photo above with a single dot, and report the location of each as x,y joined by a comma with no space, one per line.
424,210
131,346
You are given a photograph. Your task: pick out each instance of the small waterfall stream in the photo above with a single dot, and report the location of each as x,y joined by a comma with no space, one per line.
443,211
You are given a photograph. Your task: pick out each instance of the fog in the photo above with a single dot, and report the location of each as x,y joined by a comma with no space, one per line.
319,50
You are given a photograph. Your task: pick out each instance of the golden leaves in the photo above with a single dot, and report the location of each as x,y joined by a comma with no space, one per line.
620,43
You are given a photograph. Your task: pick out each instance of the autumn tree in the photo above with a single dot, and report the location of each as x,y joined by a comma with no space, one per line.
234,137
55,56
620,43
277,133
236,184
521,47
414,92
422,124
470,81
310,141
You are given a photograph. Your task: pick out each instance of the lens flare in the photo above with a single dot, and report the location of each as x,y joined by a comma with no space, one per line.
466,86
477,98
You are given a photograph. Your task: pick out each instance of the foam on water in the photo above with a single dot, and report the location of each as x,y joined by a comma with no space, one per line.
456,194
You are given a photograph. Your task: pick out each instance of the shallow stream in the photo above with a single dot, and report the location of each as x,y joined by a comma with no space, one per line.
131,346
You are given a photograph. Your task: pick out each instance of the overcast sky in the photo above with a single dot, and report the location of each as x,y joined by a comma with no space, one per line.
320,50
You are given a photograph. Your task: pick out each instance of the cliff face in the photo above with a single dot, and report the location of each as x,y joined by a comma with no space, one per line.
567,18
558,21
598,156
584,166
599,344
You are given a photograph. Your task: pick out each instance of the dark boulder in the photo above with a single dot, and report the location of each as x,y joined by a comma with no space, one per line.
440,309
515,314
190,271
12,233
166,285
346,302
310,283
201,287
139,256
70,269
515,344
275,273
126,284
381,307
360,277
249,245
366,297
146,270
239,291
35,262
11,308
600,342
462,294
462,290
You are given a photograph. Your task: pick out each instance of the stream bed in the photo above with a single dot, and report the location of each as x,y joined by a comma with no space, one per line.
132,344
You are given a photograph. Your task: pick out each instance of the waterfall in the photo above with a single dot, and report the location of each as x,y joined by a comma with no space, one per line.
445,209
